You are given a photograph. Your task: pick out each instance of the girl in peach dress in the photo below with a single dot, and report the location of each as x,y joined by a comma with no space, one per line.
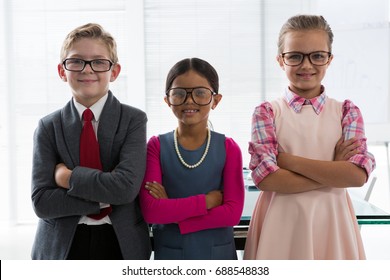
306,149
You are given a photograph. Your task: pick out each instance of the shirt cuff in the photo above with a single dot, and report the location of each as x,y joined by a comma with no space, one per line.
265,168
364,162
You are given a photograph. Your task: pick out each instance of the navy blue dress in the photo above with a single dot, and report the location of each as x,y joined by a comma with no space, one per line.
180,181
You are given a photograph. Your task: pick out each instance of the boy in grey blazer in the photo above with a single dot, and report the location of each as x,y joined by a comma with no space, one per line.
65,193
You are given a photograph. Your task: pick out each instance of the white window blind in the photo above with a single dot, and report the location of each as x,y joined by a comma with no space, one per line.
226,33
33,34
4,174
237,37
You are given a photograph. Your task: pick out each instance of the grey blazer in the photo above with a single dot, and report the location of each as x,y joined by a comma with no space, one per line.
122,139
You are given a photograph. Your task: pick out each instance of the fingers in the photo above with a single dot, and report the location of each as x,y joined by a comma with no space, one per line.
346,148
156,190
216,192
350,145
62,175
214,198
341,140
59,166
349,154
350,141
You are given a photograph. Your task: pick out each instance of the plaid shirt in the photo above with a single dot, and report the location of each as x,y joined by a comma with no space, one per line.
263,147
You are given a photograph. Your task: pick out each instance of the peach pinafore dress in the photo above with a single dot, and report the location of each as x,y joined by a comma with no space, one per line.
318,224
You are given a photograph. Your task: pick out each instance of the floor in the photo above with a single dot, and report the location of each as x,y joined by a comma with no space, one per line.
16,241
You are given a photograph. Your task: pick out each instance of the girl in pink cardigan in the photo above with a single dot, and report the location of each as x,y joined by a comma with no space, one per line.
194,191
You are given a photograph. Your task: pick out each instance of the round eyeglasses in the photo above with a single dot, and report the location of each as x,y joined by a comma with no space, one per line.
201,96
78,65
318,58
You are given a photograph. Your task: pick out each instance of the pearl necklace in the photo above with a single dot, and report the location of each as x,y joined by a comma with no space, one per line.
203,156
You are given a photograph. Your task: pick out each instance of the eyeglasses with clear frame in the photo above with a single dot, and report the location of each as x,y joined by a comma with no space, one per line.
201,96
318,58
78,64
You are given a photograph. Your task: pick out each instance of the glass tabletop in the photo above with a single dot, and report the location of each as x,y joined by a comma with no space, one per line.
366,212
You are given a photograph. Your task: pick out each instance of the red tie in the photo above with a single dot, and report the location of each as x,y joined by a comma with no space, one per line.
90,154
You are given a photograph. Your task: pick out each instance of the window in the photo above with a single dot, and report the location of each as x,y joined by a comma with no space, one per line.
31,38
238,37
225,33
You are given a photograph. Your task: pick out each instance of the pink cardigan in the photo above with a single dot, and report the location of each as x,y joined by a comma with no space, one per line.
190,213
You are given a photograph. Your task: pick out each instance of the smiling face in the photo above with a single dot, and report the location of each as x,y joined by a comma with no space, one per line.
190,113
88,86
305,79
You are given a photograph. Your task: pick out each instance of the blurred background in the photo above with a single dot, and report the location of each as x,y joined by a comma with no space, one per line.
238,37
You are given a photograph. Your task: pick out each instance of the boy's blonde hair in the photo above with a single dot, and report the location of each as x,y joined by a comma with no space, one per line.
303,23
92,31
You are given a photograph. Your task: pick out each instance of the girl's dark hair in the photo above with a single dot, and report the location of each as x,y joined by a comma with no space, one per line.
200,66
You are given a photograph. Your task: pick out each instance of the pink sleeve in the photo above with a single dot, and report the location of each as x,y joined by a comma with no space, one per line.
263,147
165,211
353,126
229,213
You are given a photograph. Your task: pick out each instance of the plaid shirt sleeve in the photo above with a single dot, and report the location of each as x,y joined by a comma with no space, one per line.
353,126
263,147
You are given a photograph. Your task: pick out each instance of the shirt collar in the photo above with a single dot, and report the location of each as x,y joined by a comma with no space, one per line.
96,108
296,102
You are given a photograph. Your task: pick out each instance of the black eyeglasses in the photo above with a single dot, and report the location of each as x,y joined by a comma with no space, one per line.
318,58
201,96
78,65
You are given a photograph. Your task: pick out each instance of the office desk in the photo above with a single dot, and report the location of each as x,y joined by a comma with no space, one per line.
366,212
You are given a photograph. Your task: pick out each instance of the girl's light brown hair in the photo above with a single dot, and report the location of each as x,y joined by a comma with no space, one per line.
303,23
91,31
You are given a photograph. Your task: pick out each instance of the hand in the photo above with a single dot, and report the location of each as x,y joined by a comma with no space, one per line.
214,199
156,190
346,148
62,175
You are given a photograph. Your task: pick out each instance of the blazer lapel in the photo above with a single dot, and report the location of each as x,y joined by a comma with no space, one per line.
72,126
108,125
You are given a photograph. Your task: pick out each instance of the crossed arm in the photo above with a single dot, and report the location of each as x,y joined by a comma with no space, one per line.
299,174
287,173
198,212
213,198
